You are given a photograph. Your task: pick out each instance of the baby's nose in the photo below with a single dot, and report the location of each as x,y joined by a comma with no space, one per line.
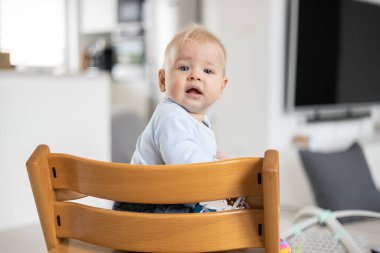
194,76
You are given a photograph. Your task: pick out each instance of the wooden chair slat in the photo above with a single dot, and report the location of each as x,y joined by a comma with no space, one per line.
195,232
166,184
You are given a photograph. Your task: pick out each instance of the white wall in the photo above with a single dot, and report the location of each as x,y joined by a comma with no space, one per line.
250,117
240,117
284,126
71,114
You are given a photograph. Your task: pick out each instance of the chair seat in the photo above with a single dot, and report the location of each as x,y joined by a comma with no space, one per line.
75,246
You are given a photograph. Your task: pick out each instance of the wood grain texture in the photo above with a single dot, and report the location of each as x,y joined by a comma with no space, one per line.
58,177
196,232
44,196
165,184
75,246
271,201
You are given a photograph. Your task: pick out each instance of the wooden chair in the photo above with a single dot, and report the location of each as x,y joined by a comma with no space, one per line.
72,227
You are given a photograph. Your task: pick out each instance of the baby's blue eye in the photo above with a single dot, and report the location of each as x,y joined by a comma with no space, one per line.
208,71
183,68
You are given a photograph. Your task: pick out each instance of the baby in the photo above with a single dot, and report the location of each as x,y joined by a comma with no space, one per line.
193,78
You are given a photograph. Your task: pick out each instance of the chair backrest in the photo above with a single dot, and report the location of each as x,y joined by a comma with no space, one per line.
56,178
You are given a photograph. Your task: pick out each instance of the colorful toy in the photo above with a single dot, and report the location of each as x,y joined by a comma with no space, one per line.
284,246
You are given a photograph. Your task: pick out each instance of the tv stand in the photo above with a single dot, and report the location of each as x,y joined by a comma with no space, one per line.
348,114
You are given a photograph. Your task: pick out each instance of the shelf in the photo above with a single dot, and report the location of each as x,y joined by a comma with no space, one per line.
318,117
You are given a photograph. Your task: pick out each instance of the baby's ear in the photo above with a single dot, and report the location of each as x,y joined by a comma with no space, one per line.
161,80
224,85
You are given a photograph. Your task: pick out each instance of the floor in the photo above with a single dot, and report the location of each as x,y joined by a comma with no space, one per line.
25,239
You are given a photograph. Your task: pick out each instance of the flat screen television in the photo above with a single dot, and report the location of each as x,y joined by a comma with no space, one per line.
333,54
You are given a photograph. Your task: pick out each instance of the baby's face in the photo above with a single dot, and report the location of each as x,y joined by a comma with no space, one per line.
194,77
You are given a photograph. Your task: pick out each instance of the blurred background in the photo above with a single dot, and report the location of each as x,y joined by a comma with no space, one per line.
81,77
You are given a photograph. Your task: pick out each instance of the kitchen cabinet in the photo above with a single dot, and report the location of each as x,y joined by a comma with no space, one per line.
98,16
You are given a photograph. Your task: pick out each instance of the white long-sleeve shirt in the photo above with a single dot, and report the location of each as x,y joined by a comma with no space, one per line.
173,136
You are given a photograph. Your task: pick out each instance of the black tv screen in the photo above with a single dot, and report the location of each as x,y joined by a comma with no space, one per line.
334,53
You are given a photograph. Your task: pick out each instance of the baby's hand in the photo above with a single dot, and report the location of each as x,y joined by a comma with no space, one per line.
220,155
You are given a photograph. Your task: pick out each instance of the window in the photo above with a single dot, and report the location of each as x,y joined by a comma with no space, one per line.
33,32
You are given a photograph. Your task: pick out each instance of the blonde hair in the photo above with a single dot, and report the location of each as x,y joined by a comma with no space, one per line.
196,33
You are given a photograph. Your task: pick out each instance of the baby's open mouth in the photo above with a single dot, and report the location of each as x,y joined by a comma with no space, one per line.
194,91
